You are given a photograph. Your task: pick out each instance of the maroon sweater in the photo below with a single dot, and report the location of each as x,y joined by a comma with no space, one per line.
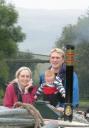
10,96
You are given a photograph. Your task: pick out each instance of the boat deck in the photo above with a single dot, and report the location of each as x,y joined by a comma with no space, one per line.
20,118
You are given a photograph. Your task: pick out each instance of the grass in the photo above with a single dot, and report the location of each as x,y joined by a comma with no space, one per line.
84,103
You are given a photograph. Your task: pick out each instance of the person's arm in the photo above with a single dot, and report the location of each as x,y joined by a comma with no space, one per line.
59,85
29,85
38,92
41,79
9,97
75,90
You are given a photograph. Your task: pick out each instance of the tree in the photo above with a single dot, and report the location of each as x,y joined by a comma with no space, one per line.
75,34
10,32
78,35
10,35
82,67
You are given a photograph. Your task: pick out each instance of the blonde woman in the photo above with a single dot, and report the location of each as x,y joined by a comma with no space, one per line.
20,89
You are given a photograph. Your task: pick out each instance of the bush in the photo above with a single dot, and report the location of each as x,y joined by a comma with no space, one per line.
1,93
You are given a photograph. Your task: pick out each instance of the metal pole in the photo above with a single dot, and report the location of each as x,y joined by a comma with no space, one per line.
68,110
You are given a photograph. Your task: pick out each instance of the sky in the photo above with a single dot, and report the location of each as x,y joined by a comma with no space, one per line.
45,26
51,4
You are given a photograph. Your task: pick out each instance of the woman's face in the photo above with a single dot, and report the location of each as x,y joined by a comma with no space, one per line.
24,78
56,60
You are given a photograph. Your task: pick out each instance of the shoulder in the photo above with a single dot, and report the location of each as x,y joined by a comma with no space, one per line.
42,74
10,88
42,79
10,85
58,78
75,75
63,69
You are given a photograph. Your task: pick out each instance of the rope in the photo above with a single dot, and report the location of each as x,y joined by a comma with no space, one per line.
33,111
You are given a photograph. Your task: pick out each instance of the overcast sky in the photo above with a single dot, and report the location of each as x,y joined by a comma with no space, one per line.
51,4
46,26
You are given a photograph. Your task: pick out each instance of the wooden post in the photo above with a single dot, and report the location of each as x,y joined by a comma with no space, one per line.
68,110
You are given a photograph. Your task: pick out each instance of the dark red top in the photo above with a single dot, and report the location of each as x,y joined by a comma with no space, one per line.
10,96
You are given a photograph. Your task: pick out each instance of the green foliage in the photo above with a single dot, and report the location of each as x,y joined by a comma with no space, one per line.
82,51
10,32
84,104
8,15
78,35
1,94
8,48
4,72
10,35
75,34
67,37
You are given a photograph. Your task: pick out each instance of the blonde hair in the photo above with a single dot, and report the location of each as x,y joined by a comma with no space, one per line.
21,69
58,50
49,73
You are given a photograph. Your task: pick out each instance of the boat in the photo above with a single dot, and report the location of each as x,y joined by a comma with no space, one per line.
41,115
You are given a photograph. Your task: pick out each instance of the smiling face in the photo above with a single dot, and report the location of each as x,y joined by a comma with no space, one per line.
56,60
24,77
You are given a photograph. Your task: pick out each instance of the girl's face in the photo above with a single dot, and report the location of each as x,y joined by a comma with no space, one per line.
24,78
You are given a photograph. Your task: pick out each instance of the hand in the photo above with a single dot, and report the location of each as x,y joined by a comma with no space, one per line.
60,109
28,86
35,97
63,95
